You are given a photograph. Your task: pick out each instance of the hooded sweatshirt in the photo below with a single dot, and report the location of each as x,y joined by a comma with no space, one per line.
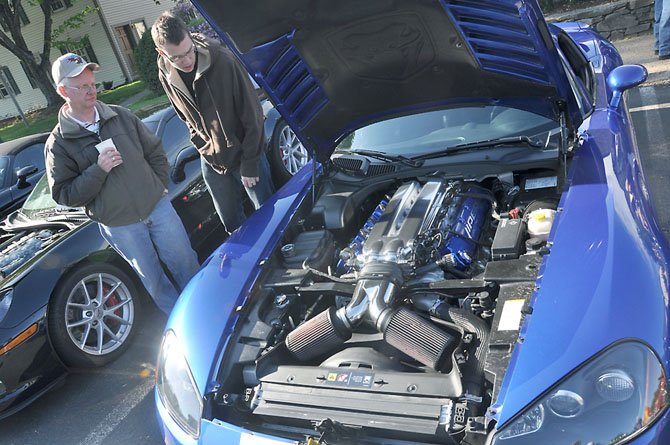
224,114
125,195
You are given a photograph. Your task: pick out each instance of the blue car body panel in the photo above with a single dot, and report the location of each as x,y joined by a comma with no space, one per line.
206,310
604,281
607,227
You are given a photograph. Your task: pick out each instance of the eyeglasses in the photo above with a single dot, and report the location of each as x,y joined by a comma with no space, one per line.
179,58
84,88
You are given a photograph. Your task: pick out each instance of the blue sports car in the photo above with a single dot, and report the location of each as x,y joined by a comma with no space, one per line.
472,258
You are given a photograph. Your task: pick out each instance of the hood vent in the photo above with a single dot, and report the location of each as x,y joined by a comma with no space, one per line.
347,163
498,37
380,169
295,86
362,165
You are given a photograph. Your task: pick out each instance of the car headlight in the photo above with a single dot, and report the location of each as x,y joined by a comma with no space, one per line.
176,386
608,400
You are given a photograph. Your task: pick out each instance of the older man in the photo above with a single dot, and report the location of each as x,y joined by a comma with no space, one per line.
103,158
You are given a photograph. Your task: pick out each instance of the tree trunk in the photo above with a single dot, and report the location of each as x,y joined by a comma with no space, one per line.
42,77
44,83
11,38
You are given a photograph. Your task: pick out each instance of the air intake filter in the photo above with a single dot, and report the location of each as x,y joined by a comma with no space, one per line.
418,338
317,336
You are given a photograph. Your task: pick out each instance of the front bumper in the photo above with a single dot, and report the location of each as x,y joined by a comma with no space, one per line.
30,369
216,432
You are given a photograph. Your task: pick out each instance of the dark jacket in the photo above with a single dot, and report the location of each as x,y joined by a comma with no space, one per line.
225,117
125,195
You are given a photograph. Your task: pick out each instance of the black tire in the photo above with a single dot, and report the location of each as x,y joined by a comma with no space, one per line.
75,324
286,154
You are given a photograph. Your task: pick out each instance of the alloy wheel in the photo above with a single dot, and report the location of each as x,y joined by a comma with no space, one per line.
99,314
293,154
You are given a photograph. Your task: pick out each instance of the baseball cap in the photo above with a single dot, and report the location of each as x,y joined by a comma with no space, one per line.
70,65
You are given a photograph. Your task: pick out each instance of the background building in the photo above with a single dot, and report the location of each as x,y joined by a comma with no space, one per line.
107,36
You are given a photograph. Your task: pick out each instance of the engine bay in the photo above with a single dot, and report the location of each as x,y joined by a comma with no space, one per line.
390,310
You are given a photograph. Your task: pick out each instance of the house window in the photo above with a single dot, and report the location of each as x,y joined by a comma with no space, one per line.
83,48
30,78
59,5
7,75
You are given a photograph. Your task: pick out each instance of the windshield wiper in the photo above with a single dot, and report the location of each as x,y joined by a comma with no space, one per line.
388,158
533,143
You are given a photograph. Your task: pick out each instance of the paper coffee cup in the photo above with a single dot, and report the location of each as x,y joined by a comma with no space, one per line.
105,145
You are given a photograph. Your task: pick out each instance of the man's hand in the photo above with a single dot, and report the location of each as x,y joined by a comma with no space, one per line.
109,159
249,182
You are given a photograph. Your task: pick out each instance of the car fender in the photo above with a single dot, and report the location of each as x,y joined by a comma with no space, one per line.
33,286
206,310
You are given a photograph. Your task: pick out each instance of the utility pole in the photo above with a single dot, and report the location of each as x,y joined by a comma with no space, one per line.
12,94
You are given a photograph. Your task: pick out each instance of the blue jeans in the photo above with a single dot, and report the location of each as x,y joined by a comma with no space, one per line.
226,191
160,237
662,27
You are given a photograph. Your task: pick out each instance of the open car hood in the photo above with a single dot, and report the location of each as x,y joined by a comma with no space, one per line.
333,67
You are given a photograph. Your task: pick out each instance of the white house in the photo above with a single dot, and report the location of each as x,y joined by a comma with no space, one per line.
112,33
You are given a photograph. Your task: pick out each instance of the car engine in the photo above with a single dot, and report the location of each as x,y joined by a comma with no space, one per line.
394,330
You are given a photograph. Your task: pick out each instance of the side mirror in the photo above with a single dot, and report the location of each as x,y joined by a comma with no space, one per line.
623,78
185,156
23,174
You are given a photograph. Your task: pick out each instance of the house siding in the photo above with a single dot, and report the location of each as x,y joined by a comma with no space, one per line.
119,13
114,12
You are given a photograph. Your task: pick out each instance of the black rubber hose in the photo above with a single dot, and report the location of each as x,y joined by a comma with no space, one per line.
474,366
470,323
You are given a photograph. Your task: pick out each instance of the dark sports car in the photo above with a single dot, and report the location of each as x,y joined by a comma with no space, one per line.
66,298
21,165
474,259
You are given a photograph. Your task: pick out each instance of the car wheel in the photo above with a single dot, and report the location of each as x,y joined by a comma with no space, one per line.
287,155
93,315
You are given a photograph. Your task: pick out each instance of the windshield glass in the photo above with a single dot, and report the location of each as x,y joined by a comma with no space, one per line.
40,199
436,130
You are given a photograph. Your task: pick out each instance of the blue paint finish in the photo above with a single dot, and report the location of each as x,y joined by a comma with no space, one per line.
206,309
606,278
621,287
466,228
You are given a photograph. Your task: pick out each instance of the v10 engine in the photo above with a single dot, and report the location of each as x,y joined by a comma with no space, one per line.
437,221
434,224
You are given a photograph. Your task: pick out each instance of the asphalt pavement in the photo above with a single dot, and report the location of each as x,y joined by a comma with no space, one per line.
640,50
649,106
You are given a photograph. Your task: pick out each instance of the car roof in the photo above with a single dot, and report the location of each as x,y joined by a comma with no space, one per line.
16,145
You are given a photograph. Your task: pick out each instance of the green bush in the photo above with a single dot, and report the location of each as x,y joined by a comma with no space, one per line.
145,59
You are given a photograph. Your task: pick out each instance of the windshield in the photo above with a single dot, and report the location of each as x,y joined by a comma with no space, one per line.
40,200
436,130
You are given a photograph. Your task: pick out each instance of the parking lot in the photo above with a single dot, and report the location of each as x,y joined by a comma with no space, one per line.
111,405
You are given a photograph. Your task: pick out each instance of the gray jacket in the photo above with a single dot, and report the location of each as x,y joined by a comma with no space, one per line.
125,195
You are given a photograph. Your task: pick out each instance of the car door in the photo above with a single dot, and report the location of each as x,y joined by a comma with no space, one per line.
32,155
192,202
